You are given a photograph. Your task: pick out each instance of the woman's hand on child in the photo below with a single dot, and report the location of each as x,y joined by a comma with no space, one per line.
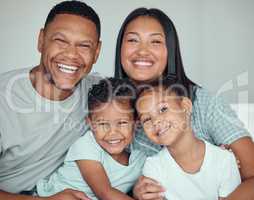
148,189
69,194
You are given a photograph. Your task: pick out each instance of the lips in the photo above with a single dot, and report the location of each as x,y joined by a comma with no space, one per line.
67,68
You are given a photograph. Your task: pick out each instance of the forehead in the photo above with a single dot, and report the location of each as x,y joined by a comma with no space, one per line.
144,23
154,96
73,23
113,110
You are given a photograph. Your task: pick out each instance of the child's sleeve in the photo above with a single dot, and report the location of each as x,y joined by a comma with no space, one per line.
85,148
150,169
230,176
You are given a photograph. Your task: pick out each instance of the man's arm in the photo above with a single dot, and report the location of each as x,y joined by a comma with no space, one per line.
67,194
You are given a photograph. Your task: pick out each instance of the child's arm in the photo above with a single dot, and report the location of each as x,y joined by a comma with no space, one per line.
95,176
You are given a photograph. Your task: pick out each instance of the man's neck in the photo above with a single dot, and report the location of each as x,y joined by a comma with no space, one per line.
45,87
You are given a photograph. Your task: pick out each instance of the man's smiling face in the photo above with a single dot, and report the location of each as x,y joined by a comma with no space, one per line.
69,46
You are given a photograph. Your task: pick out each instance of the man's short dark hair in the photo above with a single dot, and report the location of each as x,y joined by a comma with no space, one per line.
75,8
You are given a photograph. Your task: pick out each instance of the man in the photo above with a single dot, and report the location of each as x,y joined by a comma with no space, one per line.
42,108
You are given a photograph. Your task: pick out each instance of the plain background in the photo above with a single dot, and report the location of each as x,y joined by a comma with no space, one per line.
216,38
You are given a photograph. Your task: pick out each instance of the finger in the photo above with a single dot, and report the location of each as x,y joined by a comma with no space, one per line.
80,195
152,196
146,180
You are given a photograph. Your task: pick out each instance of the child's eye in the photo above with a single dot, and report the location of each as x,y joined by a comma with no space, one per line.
163,109
123,123
146,120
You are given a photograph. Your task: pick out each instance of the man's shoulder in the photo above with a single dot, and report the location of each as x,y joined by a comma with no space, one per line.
12,76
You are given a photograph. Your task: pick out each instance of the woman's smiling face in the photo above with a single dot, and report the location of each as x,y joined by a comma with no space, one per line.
144,52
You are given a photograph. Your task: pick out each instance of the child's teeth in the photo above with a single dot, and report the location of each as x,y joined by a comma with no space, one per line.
114,141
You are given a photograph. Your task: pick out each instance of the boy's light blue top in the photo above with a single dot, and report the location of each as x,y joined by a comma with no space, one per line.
85,148
213,120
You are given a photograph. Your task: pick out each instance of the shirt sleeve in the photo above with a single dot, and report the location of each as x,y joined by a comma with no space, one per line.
85,148
230,177
222,123
150,169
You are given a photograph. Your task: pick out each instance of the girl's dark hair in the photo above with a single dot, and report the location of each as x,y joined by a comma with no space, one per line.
109,89
174,69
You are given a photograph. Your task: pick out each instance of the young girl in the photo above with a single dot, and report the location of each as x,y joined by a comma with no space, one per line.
147,49
187,167
98,163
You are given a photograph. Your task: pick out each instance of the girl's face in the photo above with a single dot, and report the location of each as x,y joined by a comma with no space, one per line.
163,116
144,52
112,124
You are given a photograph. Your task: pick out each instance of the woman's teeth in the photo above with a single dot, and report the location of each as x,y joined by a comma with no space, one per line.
114,141
67,69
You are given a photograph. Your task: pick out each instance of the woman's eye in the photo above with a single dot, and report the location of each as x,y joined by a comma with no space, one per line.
132,40
156,42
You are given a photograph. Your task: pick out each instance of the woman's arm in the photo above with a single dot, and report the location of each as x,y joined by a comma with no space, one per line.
95,176
243,148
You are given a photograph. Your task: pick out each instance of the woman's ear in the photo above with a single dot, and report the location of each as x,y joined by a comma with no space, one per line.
186,105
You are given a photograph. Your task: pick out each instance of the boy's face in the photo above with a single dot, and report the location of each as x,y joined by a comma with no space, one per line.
69,47
113,125
163,116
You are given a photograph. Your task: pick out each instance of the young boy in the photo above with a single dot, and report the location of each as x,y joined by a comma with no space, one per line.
187,167
98,163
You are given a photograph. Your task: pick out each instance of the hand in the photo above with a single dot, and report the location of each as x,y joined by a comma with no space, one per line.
148,189
69,194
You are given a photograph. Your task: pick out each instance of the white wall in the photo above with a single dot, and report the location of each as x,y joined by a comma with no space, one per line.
216,38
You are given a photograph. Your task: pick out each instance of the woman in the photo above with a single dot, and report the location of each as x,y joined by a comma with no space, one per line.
148,49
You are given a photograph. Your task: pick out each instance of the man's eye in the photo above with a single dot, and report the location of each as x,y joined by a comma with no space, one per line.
60,40
85,45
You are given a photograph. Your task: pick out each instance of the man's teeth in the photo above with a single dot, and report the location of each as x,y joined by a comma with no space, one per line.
114,141
67,69
143,63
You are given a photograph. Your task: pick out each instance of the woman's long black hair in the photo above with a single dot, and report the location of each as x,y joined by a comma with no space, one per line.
174,69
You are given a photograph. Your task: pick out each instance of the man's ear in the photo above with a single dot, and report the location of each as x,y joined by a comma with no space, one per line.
97,51
186,105
40,40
